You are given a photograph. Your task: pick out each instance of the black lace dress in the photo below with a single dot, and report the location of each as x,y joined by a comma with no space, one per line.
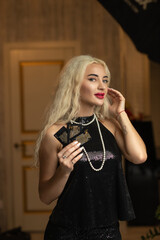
93,202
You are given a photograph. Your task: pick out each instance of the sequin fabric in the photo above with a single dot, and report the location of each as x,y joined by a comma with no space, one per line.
93,200
104,233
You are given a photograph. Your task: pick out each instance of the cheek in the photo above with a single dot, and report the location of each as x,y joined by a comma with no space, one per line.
85,89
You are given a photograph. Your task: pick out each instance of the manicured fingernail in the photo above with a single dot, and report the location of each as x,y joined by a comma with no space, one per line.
78,144
75,142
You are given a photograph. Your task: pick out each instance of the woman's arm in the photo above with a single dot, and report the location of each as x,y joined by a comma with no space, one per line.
128,139
52,178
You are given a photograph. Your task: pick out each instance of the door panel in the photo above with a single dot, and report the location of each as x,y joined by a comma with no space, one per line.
37,81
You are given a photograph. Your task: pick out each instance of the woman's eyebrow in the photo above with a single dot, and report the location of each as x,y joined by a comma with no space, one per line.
93,74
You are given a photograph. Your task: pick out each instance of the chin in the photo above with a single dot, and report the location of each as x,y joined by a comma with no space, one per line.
98,104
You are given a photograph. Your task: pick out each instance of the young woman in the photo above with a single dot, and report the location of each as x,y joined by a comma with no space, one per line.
79,152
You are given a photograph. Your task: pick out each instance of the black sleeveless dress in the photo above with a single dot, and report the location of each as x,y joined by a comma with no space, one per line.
93,202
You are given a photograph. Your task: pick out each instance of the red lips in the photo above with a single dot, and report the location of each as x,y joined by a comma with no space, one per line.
100,95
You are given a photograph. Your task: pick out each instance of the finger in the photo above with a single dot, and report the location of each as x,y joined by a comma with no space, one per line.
112,95
66,151
77,158
61,153
75,153
72,150
114,92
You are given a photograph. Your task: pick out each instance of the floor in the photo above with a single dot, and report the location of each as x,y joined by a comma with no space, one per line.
128,233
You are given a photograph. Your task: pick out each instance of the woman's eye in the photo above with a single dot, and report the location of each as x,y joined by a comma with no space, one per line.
105,80
92,79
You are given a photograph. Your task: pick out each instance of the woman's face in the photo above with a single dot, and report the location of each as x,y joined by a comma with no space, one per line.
94,86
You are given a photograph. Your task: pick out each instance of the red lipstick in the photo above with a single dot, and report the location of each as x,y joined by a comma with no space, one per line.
99,95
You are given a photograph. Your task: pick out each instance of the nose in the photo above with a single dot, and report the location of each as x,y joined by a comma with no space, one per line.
101,85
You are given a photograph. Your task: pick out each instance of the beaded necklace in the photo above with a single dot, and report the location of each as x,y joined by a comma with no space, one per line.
101,137
84,124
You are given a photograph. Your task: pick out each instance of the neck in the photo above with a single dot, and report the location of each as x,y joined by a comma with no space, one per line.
86,112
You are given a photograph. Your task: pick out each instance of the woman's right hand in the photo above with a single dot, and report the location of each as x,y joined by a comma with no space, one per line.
69,155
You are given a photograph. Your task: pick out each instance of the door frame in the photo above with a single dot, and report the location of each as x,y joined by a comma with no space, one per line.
7,49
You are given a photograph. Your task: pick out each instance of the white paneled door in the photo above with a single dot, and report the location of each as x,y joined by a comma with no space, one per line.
31,78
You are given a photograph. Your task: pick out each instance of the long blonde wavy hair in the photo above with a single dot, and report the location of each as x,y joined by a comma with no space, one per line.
65,105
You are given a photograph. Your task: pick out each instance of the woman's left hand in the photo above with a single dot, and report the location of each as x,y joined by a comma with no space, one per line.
117,102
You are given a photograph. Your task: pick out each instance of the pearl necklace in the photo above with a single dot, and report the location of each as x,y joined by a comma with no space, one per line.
104,150
84,124
103,146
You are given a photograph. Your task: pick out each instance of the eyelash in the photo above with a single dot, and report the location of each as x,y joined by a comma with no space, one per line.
93,79
106,81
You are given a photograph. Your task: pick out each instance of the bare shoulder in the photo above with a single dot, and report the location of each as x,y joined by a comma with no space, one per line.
110,125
